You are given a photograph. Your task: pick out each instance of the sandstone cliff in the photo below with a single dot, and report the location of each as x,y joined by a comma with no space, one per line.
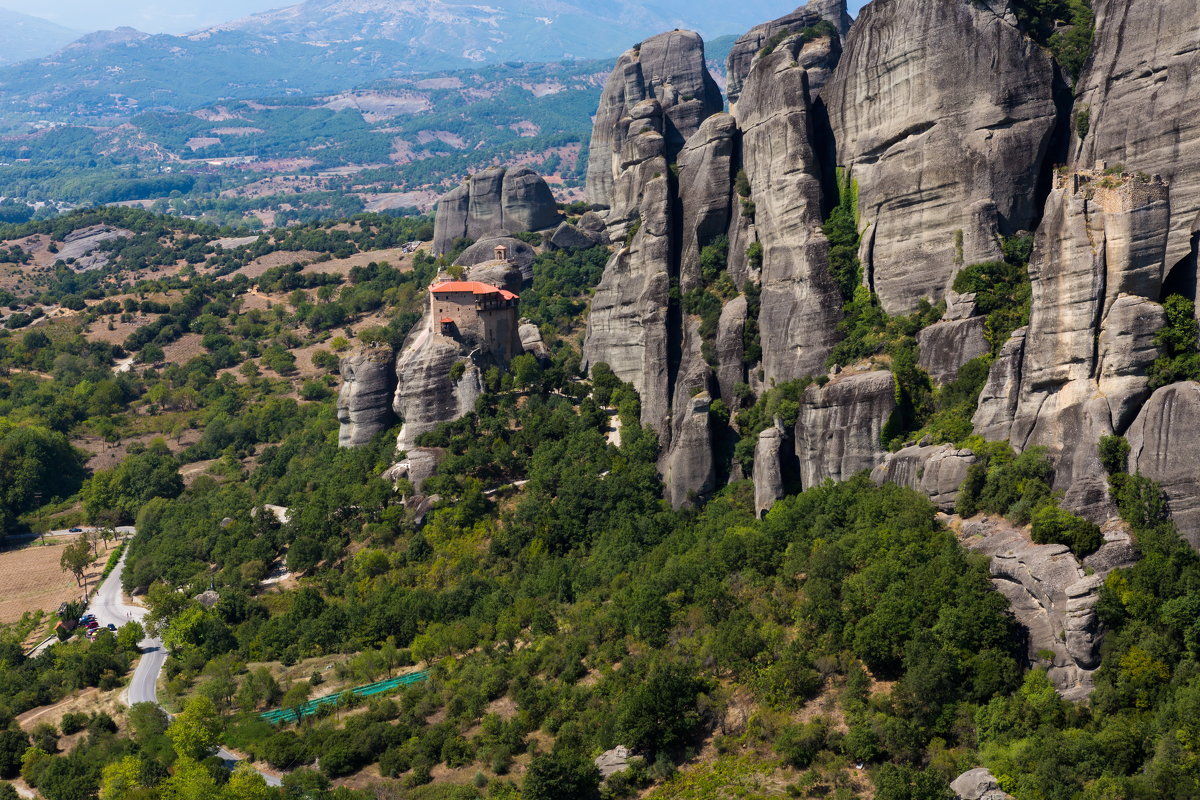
1079,371
668,68
1138,105
365,399
494,202
943,113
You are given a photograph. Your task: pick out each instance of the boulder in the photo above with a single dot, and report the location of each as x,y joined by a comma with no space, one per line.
418,465
1164,444
741,56
943,114
494,202
838,431
610,762
799,304
1138,95
936,471
364,404
567,237
978,784
946,346
668,68
531,341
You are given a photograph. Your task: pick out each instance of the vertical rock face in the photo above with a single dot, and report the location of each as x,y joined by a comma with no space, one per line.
627,325
946,346
705,180
1080,373
943,113
838,432
800,305
768,468
741,56
426,396
668,68
1164,445
494,202
365,399
935,471
1141,98
731,348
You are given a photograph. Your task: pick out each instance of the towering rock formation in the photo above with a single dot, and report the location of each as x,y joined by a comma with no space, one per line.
741,56
800,304
426,394
943,113
627,326
838,433
365,399
1164,444
668,68
1079,371
705,177
494,202
1139,105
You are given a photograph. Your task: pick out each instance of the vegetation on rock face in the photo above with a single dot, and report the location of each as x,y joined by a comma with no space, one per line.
1066,27
1179,344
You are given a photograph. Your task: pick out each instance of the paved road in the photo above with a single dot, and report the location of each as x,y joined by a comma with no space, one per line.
109,606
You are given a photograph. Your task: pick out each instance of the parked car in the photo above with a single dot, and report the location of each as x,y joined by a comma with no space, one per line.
112,627
75,530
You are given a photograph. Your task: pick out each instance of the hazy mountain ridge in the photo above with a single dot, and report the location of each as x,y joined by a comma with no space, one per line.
23,36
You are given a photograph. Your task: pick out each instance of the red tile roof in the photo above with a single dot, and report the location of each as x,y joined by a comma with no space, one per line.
474,287
447,321
509,295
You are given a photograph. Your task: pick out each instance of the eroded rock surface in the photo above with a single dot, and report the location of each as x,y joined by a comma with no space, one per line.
800,304
741,56
838,432
943,113
768,470
668,69
365,398
1079,372
520,254
1164,444
1141,100
947,345
494,202
1052,595
936,471
978,784
426,396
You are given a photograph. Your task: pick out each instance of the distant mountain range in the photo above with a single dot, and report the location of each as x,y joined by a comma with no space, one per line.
23,37
330,45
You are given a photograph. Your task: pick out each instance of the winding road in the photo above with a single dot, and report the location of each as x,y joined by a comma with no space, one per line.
109,606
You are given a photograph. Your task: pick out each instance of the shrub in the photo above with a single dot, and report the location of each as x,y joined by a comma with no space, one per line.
1054,525
1114,454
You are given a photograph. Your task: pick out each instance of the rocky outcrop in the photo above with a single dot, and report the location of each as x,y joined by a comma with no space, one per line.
978,784
520,254
688,470
418,466
946,346
668,69
943,114
567,237
741,56
494,202
1079,371
936,471
531,341
768,468
838,431
800,305
1139,99
731,349
364,404
1052,595
1164,444
706,191
426,395
627,325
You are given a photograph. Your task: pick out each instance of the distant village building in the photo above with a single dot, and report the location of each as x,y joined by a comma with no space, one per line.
478,313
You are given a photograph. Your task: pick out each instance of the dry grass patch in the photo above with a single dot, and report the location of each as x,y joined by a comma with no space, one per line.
31,579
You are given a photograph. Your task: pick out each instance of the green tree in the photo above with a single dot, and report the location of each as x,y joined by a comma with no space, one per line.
196,732
13,744
561,776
